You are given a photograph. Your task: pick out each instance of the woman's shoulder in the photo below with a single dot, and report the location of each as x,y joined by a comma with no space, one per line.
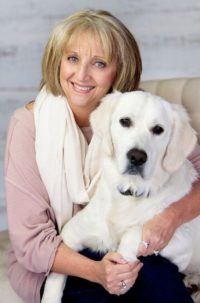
21,127
24,111
24,116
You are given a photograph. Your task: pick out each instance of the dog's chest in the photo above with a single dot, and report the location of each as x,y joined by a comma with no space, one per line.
120,218
127,212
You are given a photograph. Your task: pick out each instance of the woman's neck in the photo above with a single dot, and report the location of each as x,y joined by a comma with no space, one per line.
82,119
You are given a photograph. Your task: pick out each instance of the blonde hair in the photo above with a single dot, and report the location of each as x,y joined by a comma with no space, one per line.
117,41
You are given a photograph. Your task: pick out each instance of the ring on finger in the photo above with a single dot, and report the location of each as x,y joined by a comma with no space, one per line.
123,284
146,244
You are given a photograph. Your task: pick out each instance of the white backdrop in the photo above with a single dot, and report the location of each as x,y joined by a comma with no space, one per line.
168,35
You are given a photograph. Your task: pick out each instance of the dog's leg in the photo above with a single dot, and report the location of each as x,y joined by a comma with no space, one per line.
180,248
55,283
73,233
129,244
53,290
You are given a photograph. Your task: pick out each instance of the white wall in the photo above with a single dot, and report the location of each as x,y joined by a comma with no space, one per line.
168,34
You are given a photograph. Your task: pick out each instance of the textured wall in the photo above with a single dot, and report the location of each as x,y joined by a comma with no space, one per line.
168,34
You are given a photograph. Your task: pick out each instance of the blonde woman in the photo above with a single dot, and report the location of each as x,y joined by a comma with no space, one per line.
88,54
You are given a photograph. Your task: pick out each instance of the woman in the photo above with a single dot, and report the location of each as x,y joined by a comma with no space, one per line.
87,56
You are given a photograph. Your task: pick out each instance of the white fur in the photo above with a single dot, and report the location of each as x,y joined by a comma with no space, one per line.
112,221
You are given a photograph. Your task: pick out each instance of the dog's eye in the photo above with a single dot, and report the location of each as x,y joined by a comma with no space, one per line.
125,122
157,130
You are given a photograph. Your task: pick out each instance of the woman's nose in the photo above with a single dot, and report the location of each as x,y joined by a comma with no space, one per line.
83,72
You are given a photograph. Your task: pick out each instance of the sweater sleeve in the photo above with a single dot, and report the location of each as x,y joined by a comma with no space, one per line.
31,220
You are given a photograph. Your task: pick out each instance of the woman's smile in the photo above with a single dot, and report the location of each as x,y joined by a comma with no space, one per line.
84,89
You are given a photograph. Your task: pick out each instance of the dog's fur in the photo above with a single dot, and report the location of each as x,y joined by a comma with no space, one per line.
145,143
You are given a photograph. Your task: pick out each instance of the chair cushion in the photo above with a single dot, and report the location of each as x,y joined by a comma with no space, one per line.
185,91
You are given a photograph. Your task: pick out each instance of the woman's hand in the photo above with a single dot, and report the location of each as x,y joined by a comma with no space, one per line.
116,275
157,232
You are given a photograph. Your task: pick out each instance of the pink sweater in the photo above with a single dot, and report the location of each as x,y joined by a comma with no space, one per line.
30,217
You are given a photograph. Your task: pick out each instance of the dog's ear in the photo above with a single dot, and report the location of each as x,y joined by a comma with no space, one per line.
182,141
100,120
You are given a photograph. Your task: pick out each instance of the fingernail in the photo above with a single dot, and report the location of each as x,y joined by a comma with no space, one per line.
123,260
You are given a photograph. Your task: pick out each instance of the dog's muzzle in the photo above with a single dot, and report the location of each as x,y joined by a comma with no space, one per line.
136,160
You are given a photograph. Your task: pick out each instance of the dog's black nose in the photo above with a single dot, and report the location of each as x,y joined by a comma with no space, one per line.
136,156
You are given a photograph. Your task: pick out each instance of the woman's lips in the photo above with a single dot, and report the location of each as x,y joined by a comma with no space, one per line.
82,88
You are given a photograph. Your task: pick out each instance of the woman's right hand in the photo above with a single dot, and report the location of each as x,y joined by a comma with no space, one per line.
113,270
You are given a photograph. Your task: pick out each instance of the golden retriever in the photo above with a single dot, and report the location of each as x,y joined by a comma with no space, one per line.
146,142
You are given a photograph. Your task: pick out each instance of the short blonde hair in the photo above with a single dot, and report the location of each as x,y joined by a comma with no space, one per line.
117,41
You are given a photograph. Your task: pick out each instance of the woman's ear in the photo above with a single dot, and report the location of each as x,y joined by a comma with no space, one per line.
182,141
100,120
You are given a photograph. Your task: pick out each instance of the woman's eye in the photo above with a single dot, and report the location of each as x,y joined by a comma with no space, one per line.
157,130
100,64
72,58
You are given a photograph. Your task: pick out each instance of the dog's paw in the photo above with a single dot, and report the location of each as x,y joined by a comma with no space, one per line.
192,282
133,186
127,189
128,255
192,279
196,296
129,258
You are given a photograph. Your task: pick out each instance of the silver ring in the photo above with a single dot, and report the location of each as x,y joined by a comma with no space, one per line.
146,244
123,284
156,252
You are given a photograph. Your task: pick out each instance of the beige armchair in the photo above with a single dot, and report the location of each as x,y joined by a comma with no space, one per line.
185,91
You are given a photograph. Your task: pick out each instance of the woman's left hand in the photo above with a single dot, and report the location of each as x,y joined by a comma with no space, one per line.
157,232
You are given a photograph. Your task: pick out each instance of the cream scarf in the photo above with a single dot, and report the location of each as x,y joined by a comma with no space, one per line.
67,165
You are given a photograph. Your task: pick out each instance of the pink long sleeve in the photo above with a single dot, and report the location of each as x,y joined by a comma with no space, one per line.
30,218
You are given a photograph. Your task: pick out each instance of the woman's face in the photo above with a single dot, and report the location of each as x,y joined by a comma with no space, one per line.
85,76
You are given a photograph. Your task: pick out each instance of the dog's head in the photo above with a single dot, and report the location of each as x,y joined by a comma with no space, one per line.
143,133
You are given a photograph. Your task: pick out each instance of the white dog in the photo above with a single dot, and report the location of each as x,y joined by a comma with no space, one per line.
146,142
